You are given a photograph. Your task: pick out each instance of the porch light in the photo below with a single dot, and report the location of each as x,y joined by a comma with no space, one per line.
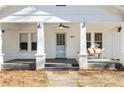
119,29
83,25
38,26
3,31
60,26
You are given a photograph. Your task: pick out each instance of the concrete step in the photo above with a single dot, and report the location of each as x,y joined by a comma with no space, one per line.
19,66
15,66
101,65
57,65
61,69
60,65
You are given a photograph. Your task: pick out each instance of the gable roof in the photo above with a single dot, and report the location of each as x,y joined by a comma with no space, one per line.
52,13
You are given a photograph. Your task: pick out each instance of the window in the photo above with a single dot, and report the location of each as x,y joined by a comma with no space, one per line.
23,41
88,38
33,41
60,39
98,40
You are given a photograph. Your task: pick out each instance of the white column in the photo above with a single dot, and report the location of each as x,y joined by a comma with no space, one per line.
83,49
1,53
122,45
40,55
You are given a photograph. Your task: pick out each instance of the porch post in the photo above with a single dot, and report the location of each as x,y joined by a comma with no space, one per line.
40,55
83,50
122,45
1,53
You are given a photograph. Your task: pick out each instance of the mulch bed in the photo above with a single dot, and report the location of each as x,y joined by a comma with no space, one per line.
23,78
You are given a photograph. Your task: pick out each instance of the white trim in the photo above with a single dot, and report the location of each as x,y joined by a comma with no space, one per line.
1,49
93,37
29,42
113,43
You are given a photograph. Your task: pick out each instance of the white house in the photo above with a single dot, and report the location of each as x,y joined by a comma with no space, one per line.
60,31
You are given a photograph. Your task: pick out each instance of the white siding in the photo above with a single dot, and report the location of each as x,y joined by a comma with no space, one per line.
11,41
72,44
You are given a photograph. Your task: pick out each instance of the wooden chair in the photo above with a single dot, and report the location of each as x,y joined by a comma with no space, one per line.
95,52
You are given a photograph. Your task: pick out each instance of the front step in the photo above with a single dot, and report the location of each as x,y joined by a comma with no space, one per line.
15,66
60,65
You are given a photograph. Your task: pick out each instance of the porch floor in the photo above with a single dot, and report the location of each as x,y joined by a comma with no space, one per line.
57,60
66,64
58,63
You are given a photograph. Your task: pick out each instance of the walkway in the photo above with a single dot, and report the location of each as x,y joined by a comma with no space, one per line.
62,78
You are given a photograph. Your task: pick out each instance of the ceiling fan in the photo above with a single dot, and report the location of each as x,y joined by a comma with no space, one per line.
63,26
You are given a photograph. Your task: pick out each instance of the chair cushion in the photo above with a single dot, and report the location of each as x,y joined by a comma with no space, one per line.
97,50
90,51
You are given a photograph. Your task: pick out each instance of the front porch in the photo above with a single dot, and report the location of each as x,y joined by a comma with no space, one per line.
49,32
45,41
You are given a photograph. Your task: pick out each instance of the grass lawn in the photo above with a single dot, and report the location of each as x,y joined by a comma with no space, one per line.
101,78
23,78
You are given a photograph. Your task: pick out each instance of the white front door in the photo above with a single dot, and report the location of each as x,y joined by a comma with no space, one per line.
60,45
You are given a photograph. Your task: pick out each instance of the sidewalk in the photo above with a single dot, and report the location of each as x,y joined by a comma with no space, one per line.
62,78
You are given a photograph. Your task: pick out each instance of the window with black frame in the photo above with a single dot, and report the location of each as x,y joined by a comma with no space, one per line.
88,38
60,39
23,41
33,41
98,39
